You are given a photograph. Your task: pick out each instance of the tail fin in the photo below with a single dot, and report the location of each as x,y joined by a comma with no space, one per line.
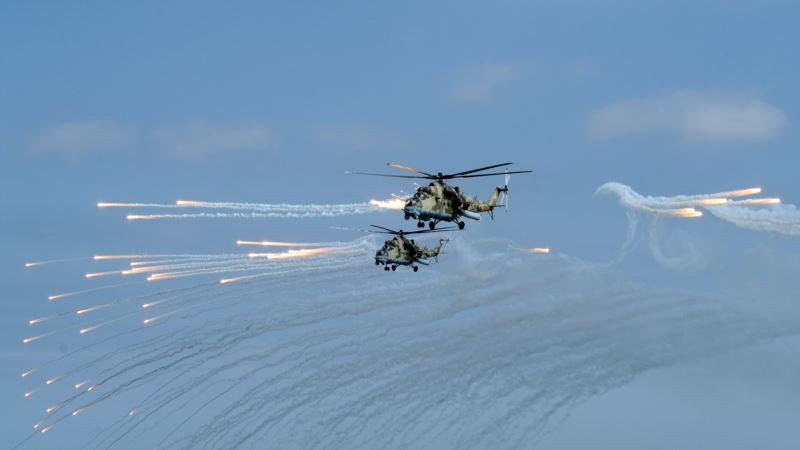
438,248
496,196
500,194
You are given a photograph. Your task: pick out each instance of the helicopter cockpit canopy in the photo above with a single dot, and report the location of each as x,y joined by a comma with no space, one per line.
413,201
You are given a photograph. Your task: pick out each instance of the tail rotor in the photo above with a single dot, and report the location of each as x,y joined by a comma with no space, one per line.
504,194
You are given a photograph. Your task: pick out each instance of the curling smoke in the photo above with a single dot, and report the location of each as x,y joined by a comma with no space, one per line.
761,214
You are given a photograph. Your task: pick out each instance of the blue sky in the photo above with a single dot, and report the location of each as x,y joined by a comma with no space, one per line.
273,101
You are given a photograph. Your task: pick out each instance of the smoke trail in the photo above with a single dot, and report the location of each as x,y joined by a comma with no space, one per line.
258,210
775,218
766,214
52,261
341,355
630,239
693,257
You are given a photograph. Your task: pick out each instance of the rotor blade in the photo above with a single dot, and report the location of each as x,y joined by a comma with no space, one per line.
492,174
386,175
400,166
385,229
435,230
478,170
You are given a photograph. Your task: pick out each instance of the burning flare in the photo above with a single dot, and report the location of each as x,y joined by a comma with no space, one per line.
277,244
106,257
757,201
127,205
92,308
711,201
395,203
291,254
740,192
40,319
686,212
103,274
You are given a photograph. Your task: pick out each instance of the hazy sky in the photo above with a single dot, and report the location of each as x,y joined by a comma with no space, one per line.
273,101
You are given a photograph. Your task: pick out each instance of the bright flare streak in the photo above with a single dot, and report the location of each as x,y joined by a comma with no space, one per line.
92,328
711,201
539,250
77,411
25,374
37,425
230,280
90,388
40,319
164,276
136,270
125,205
106,257
58,296
78,386
741,192
52,408
70,294
132,412
34,338
276,244
151,304
92,308
103,274
153,319
51,261
46,429
245,277
290,254
757,201
147,269
51,381
143,216
686,212
191,203
395,203
29,393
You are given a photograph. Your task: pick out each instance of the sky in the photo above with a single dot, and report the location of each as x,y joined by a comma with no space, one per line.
273,101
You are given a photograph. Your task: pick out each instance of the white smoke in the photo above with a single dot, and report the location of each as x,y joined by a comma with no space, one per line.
251,210
491,348
772,217
780,218
690,254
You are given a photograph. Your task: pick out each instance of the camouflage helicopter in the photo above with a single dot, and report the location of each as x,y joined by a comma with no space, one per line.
440,202
399,251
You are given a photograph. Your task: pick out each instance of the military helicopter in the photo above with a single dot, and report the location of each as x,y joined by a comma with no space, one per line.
399,251
440,202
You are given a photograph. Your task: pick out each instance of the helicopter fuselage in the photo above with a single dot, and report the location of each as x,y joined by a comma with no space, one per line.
400,251
440,202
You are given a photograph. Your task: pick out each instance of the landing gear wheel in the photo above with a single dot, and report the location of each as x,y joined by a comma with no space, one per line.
386,268
461,225
432,225
406,216
416,268
420,224
377,263
394,268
